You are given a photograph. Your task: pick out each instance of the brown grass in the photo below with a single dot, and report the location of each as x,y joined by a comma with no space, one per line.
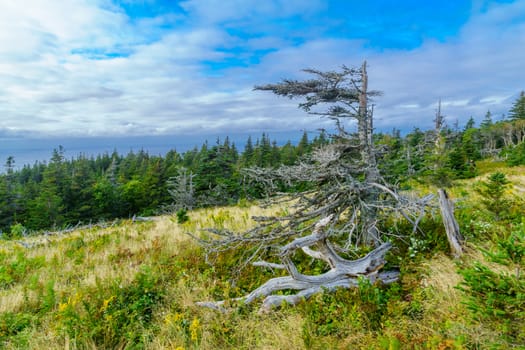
116,253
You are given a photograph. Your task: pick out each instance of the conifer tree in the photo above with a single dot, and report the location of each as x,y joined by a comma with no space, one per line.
302,146
517,112
247,155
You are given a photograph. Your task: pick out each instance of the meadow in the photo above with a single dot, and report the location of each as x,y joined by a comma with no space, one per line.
134,285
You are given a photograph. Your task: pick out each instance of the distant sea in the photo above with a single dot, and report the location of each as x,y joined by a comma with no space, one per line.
27,151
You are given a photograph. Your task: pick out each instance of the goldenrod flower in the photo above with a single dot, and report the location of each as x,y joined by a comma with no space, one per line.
194,329
106,302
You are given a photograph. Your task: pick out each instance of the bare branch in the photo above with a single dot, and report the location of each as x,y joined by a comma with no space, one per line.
347,201
344,273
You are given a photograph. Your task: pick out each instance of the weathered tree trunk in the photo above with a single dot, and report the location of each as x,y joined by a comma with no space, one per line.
366,129
343,273
365,133
451,225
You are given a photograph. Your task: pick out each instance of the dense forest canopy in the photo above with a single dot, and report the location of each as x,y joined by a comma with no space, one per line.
64,192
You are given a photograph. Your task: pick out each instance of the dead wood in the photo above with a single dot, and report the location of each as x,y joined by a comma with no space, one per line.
451,225
343,273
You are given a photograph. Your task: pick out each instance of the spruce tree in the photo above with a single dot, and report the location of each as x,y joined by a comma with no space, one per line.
517,112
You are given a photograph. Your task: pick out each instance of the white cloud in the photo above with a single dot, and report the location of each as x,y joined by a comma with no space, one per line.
56,76
484,61
495,100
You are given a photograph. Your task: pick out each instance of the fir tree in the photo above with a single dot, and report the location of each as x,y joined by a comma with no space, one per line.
517,112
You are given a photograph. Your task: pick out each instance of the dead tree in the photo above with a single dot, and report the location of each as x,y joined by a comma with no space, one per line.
451,225
344,207
182,190
343,273
442,179
344,96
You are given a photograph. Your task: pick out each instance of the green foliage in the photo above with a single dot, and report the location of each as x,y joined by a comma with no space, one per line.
517,112
182,216
416,246
511,250
440,177
346,311
516,155
496,297
47,298
16,267
499,297
113,315
15,232
493,192
105,199
14,323
461,158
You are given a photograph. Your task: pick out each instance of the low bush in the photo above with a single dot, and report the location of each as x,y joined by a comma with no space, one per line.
497,296
113,315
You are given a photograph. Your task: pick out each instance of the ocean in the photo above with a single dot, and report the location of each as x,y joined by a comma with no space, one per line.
27,151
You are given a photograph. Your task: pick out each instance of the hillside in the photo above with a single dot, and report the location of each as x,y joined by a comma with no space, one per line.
134,285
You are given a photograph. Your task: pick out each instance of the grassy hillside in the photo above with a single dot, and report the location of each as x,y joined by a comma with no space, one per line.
134,285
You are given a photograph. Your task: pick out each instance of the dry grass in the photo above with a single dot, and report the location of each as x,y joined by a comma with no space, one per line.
83,259
131,241
79,261
442,276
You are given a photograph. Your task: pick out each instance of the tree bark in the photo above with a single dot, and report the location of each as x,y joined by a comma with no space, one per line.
451,225
343,273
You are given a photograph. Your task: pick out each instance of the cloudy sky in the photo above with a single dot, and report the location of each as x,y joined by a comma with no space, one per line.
150,67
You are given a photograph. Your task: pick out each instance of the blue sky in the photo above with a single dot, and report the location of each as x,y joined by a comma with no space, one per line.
159,67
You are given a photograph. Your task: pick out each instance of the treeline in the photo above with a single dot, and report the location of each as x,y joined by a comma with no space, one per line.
449,152
64,192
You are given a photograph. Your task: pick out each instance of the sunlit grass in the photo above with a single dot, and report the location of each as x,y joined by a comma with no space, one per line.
58,274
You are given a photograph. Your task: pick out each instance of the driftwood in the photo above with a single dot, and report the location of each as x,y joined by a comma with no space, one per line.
343,273
451,225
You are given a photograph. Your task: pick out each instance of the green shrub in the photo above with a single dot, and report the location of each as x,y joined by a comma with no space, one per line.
113,315
15,232
15,267
493,192
499,297
13,323
516,155
511,250
182,216
346,311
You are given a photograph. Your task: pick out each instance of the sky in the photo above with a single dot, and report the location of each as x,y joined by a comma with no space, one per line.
81,68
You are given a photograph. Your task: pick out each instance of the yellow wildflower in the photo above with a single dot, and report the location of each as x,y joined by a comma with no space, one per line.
194,329
106,302
62,307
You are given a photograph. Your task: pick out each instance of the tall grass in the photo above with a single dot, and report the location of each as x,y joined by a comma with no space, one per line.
135,286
